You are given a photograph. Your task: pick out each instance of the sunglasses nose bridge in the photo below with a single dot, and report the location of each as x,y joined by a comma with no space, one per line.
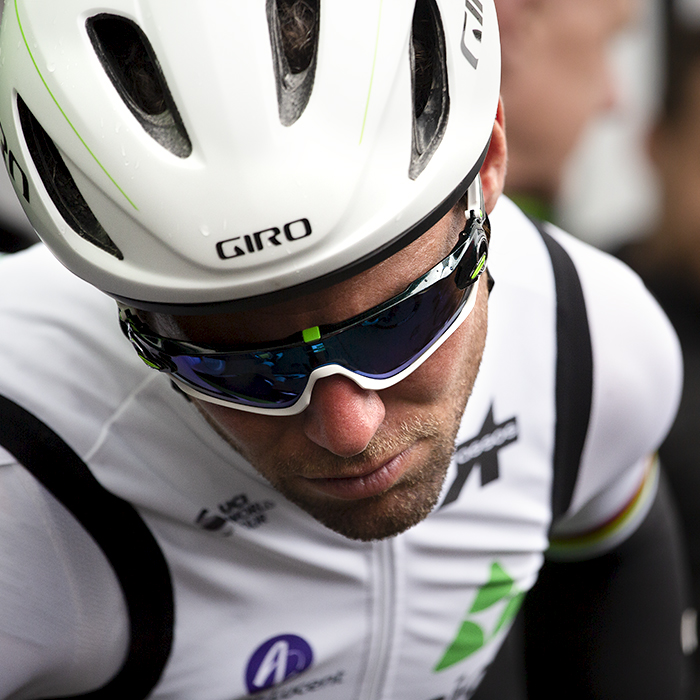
341,416
331,370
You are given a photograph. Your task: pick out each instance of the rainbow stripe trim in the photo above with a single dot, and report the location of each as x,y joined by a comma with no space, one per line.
614,530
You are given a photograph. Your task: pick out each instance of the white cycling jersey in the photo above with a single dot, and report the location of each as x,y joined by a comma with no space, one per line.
267,600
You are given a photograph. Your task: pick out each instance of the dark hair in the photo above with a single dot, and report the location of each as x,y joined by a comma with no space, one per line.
422,58
298,26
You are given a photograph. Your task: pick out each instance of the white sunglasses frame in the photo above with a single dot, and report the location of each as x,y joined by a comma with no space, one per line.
368,383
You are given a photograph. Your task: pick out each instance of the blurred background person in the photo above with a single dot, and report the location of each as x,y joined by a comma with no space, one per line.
668,259
556,78
558,81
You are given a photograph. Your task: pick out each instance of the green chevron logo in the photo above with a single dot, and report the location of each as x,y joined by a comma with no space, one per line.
500,590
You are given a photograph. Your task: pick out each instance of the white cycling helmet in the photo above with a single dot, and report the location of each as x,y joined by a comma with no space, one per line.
183,157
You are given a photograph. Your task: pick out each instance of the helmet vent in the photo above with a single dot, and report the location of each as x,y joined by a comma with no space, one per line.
294,30
131,64
60,185
431,99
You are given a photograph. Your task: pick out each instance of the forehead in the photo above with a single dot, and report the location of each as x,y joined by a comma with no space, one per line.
331,305
608,16
548,21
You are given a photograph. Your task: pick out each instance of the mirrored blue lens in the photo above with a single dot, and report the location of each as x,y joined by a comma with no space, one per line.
378,347
255,379
387,345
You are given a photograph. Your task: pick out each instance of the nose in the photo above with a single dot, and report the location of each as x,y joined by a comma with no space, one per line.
342,417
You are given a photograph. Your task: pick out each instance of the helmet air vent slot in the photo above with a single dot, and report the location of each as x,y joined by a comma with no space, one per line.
60,185
431,98
131,64
294,30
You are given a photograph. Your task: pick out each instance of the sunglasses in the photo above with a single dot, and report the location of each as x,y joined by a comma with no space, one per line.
376,349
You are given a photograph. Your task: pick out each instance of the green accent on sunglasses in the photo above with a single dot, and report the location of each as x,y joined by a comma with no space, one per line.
311,334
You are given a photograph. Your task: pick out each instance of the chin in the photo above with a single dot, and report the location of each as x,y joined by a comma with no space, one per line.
386,515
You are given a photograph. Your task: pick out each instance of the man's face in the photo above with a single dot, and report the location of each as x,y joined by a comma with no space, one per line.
366,464
556,78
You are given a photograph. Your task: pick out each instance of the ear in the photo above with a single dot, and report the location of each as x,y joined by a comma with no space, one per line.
493,171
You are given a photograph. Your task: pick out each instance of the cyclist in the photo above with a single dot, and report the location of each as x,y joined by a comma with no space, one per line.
319,473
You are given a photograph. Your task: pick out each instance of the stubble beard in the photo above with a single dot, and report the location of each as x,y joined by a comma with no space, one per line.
402,506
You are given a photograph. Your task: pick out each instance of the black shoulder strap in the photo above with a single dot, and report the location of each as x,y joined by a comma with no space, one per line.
120,533
574,374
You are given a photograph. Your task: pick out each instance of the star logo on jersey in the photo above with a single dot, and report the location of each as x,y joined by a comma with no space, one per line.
482,451
495,606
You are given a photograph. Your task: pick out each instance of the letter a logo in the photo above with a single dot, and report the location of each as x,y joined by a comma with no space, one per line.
276,660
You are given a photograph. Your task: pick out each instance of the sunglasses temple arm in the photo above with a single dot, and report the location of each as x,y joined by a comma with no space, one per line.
475,198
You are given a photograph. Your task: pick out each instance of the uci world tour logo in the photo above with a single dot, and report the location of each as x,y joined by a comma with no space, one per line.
276,660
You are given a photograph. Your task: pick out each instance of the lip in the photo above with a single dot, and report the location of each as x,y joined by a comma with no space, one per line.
369,484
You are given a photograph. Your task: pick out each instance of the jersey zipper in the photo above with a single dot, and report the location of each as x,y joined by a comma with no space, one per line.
383,620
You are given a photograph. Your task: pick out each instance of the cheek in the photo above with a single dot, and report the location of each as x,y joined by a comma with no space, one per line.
247,433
